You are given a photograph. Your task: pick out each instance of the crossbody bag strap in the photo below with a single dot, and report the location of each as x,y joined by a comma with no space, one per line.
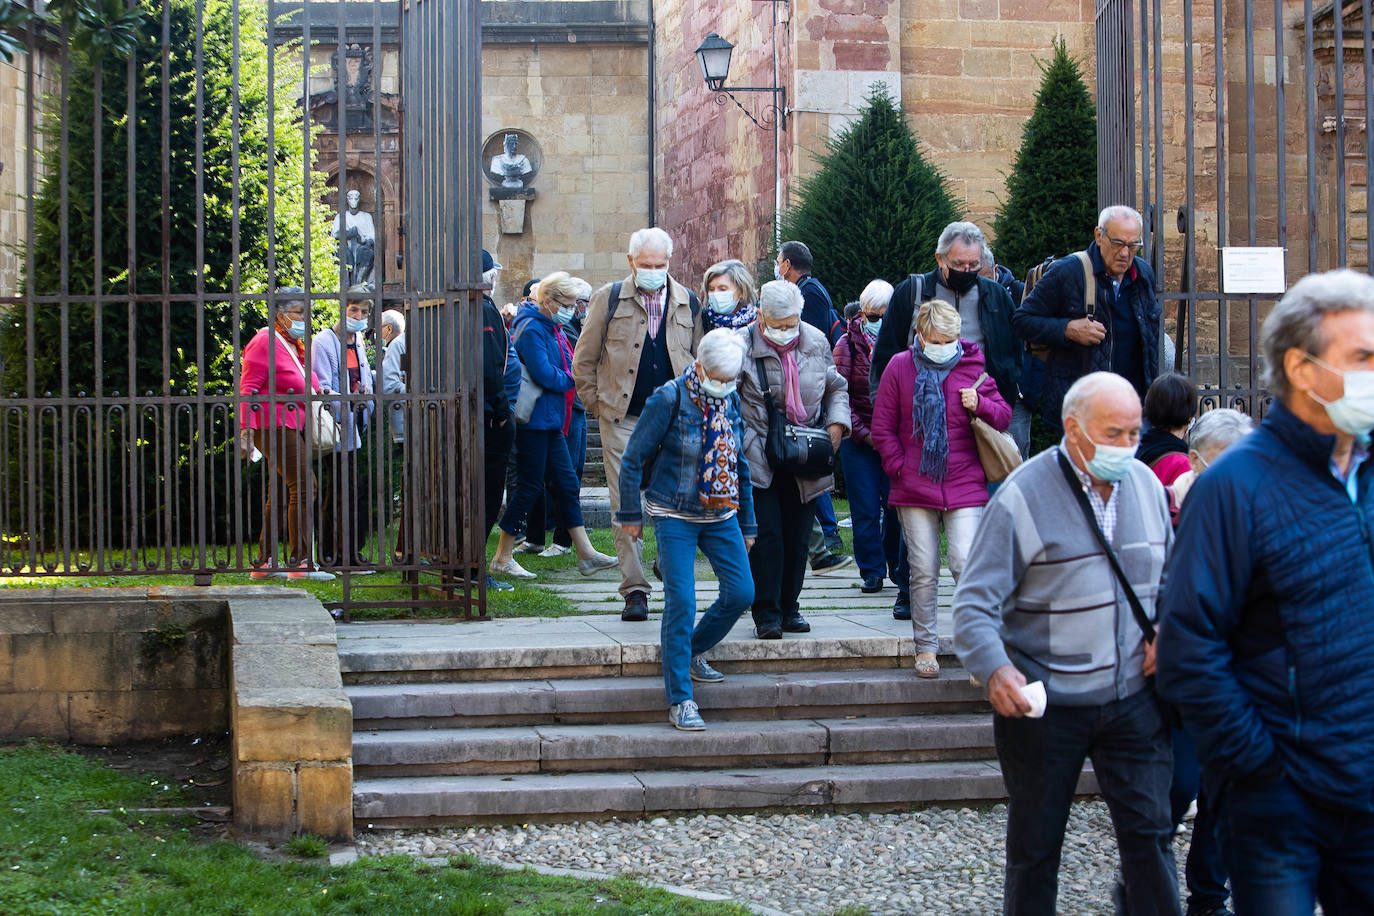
1076,485
296,359
916,293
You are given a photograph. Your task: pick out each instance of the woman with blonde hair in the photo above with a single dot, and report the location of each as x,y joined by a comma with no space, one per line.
728,296
923,429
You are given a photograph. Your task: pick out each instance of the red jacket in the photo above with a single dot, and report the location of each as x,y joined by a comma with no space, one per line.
853,357
965,485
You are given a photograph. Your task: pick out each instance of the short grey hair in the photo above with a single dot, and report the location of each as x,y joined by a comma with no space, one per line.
584,289
1118,211
877,294
1082,393
652,237
737,273
394,319
780,299
967,233
1296,322
1218,429
721,353
989,259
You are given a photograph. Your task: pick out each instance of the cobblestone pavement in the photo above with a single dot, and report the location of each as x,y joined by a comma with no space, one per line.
936,861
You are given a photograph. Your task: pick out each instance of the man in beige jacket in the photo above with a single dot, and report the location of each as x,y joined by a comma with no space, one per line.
638,334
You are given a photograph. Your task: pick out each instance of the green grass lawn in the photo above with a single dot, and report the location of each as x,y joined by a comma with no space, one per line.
525,600
55,857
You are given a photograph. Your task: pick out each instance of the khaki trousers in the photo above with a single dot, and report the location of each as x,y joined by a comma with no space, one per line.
630,552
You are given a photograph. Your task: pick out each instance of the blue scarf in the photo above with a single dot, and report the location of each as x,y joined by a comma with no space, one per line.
928,420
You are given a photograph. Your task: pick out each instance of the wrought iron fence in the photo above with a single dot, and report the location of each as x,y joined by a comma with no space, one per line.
180,162
1253,129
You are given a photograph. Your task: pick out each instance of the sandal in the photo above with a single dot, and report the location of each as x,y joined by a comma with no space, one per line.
926,665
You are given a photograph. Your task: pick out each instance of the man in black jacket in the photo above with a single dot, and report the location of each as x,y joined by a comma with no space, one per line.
985,310
496,405
1121,336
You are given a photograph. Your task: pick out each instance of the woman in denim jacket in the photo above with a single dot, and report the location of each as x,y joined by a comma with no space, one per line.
686,454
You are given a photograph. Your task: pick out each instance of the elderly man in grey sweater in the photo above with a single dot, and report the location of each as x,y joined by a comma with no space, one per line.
1039,600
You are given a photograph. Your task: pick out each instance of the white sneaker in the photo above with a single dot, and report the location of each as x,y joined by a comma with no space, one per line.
555,550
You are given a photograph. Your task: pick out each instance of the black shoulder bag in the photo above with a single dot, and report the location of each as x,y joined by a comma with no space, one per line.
1171,716
802,451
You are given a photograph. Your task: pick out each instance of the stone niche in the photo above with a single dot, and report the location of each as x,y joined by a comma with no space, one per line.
510,193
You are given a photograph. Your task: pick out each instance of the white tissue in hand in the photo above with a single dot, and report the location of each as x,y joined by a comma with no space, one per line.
1034,693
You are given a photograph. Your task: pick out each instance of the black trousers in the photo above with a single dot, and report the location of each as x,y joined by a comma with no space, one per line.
500,441
778,560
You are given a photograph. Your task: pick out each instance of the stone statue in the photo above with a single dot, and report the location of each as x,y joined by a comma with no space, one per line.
361,235
510,165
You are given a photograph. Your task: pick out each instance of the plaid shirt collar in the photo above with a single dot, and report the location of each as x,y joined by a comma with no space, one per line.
1104,510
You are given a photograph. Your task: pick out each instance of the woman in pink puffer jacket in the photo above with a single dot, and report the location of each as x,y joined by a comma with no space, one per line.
923,433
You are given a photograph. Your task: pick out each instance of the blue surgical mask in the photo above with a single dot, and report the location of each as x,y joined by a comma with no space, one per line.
873,326
777,271
722,301
1110,462
651,280
565,314
297,329
355,325
941,353
1353,411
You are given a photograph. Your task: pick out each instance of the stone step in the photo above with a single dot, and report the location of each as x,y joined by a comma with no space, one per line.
551,797
755,697
606,646
615,748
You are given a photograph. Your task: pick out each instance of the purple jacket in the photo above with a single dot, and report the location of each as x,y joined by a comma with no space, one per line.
853,356
965,485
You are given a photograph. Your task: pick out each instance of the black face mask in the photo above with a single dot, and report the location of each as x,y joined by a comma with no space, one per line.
960,281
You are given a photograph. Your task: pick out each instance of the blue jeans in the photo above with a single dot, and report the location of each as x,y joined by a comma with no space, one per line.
723,545
1286,851
1204,869
825,515
1041,760
877,530
542,456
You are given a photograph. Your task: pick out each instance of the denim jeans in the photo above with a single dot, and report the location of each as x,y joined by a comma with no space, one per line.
723,545
1020,427
1204,868
1286,851
778,560
877,530
1041,761
825,515
921,532
542,455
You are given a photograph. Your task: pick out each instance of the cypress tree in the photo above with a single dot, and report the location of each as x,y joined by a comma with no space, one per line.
1051,202
876,206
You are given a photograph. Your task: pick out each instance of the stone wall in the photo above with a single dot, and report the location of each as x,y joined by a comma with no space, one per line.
14,143
587,107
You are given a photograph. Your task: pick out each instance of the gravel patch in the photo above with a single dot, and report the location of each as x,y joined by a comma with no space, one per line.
937,860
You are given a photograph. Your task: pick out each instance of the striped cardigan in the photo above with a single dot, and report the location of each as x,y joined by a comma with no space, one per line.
1037,591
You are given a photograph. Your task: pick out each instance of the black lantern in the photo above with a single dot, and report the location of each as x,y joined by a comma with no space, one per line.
714,55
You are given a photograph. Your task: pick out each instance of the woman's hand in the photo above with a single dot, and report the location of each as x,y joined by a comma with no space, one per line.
633,532
969,398
748,544
836,431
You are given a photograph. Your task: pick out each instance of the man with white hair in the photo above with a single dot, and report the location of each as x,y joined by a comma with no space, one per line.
1059,590
1117,332
1267,648
639,333
985,311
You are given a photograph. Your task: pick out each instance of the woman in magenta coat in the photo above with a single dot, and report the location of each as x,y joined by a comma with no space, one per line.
923,432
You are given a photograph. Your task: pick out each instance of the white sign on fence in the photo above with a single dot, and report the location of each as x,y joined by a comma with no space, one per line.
1252,270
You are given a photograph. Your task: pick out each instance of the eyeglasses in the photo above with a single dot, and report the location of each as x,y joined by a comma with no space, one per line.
1118,244
583,301
969,266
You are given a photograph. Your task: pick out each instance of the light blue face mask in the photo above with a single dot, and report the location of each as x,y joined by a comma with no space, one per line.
941,353
722,301
873,326
297,329
355,325
565,314
1353,411
651,280
1110,462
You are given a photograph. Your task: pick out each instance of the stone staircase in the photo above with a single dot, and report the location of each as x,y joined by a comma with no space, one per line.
565,719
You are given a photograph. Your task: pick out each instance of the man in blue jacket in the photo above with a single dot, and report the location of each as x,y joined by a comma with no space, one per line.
1267,641
1121,335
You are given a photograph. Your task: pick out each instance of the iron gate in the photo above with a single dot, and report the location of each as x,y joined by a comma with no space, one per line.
1235,123
177,163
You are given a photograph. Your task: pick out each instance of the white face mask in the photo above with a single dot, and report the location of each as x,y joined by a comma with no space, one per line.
777,271
1353,411
780,336
722,301
717,389
355,325
941,353
1110,462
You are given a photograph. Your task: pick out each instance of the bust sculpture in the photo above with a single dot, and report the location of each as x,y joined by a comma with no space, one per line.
360,233
511,165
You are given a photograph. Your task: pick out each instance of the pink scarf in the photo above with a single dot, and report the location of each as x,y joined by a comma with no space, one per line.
791,380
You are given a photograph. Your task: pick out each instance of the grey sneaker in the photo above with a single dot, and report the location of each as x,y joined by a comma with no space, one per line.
701,671
685,717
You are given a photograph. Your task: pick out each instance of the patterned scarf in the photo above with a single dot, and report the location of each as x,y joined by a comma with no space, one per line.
742,316
928,420
718,475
